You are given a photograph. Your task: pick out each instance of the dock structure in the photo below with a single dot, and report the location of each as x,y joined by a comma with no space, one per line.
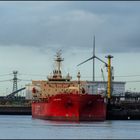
15,110
126,109
15,106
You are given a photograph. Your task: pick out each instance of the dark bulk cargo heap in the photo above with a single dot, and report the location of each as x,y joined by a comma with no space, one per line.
59,98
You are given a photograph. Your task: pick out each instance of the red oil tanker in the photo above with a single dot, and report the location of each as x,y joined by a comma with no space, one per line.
60,98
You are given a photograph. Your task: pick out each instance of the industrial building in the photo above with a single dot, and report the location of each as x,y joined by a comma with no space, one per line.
118,88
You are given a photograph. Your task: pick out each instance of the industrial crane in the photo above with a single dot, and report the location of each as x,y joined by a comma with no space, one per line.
103,74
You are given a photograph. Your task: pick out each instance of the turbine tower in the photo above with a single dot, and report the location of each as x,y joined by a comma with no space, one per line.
109,70
93,57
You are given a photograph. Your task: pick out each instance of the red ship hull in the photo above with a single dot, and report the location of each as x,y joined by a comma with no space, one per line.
71,107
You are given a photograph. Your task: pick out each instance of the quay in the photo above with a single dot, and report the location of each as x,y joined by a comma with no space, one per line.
15,106
15,110
126,109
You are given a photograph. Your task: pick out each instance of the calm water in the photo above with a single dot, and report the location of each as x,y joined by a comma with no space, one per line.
24,127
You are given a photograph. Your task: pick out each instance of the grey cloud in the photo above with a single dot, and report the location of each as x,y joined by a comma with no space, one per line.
70,25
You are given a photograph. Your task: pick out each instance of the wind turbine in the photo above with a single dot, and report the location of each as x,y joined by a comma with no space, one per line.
93,57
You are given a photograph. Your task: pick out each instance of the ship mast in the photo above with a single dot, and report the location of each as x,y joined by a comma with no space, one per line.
58,59
58,63
57,74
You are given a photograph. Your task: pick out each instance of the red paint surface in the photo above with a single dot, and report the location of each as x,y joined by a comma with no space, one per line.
71,107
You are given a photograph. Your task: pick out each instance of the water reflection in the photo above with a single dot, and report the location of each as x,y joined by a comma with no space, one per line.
22,127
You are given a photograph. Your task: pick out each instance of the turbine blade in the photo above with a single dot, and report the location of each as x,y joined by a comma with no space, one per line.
85,61
101,60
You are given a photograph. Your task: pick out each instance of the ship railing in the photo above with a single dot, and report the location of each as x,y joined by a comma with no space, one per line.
63,77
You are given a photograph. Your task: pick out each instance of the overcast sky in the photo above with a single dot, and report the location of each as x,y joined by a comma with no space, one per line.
32,32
